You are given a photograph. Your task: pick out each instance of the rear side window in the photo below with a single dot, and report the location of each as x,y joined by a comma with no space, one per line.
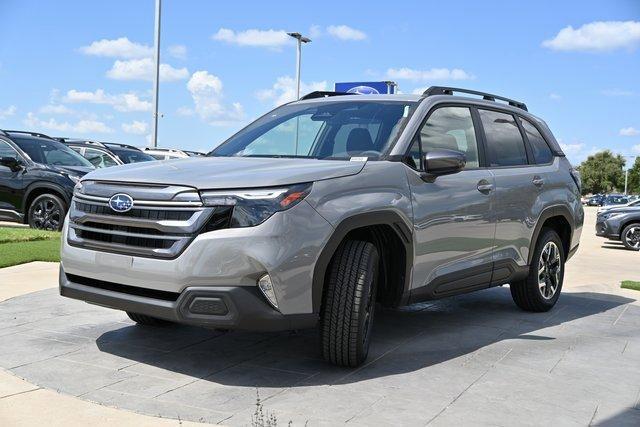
505,146
541,151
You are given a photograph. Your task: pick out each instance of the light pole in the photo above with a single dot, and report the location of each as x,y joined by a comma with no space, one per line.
156,78
301,39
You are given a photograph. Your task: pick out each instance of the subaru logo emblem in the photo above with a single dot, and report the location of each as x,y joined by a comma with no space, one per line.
121,202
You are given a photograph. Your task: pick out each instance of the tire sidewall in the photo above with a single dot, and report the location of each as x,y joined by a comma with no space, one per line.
369,290
57,200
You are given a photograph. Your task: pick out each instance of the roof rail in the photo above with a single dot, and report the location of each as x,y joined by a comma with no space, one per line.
39,135
444,90
120,145
324,94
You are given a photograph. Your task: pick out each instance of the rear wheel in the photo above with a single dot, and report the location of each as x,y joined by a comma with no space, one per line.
349,303
143,319
47,212
631,236
541,289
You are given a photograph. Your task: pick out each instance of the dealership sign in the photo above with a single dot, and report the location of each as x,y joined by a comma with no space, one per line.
366,88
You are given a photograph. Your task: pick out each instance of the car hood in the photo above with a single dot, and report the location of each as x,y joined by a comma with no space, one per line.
206,173
71,170
622,209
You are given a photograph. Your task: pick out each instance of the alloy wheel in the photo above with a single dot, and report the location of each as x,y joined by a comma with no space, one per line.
632,237
549,269
46,215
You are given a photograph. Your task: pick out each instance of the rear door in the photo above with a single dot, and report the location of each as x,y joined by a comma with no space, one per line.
453,222
519,185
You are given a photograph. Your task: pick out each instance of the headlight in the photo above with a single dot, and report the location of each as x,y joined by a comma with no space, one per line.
609,215
254,206
79,187
74,178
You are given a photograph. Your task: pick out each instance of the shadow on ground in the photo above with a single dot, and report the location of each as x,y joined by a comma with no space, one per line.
405,340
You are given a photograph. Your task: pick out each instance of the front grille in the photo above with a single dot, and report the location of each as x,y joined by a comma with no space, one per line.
125,289
154,214
159,228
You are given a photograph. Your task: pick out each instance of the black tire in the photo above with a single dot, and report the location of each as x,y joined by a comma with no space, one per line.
47,212
630,236
143,319
349,303
529,294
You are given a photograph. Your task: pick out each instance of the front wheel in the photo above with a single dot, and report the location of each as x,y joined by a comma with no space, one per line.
143,319
349,303
47,212
541,289
631,237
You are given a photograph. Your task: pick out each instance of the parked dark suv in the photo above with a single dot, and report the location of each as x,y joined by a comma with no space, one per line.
327,206
106,154
37,176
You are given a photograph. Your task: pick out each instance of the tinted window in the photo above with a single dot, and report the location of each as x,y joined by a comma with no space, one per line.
127,155
451,128
541,151
505,146
50,152
7,151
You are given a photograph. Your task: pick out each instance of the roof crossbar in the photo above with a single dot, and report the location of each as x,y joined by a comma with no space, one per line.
445,90
324,94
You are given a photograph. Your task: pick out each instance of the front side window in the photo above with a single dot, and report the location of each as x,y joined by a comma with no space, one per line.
541,151
7,151
450,128
99,158
322,130
48,152
505,146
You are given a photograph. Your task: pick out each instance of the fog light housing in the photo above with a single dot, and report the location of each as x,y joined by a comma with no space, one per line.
265,285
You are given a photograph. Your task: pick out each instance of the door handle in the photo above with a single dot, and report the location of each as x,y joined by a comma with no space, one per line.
485,186
537,181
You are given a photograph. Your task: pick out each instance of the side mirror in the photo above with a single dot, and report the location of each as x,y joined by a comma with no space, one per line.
11,162
442,162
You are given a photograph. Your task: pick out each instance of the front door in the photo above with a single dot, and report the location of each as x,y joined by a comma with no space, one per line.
454,227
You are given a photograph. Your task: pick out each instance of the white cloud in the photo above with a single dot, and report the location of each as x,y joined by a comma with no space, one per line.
125,102
144,69
315,31
344,32
185,111
206,91
178,51
555,96
432,74
636,148
573,149
597,36
82,126
629,131
117,48
56,109
253,37
135,127
284,90
8,112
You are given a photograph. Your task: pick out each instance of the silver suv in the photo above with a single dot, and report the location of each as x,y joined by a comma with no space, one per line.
327,206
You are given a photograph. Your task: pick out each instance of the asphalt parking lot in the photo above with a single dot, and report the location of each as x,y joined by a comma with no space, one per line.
474,359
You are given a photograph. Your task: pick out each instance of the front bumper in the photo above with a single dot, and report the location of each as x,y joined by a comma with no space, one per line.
227,307
607,229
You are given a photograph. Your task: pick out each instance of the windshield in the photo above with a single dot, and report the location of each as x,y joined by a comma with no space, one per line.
131,156
329,130
49,152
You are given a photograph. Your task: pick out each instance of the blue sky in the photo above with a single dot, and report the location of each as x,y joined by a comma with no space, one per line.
79,68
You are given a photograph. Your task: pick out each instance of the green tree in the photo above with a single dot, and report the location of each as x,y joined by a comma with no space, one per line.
602,173
633,185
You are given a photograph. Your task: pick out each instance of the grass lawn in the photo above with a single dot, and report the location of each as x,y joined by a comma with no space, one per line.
630,284
20,245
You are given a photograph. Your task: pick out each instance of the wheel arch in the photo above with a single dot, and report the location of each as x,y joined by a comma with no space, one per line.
40,189
378,227
558,218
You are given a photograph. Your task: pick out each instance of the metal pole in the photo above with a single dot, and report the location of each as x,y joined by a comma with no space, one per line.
298,59
156,80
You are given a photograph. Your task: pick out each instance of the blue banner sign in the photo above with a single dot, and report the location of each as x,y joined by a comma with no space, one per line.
366,88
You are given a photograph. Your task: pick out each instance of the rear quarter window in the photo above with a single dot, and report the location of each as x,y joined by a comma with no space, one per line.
541,151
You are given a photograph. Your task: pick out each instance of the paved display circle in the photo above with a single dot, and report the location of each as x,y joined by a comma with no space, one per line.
473,359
